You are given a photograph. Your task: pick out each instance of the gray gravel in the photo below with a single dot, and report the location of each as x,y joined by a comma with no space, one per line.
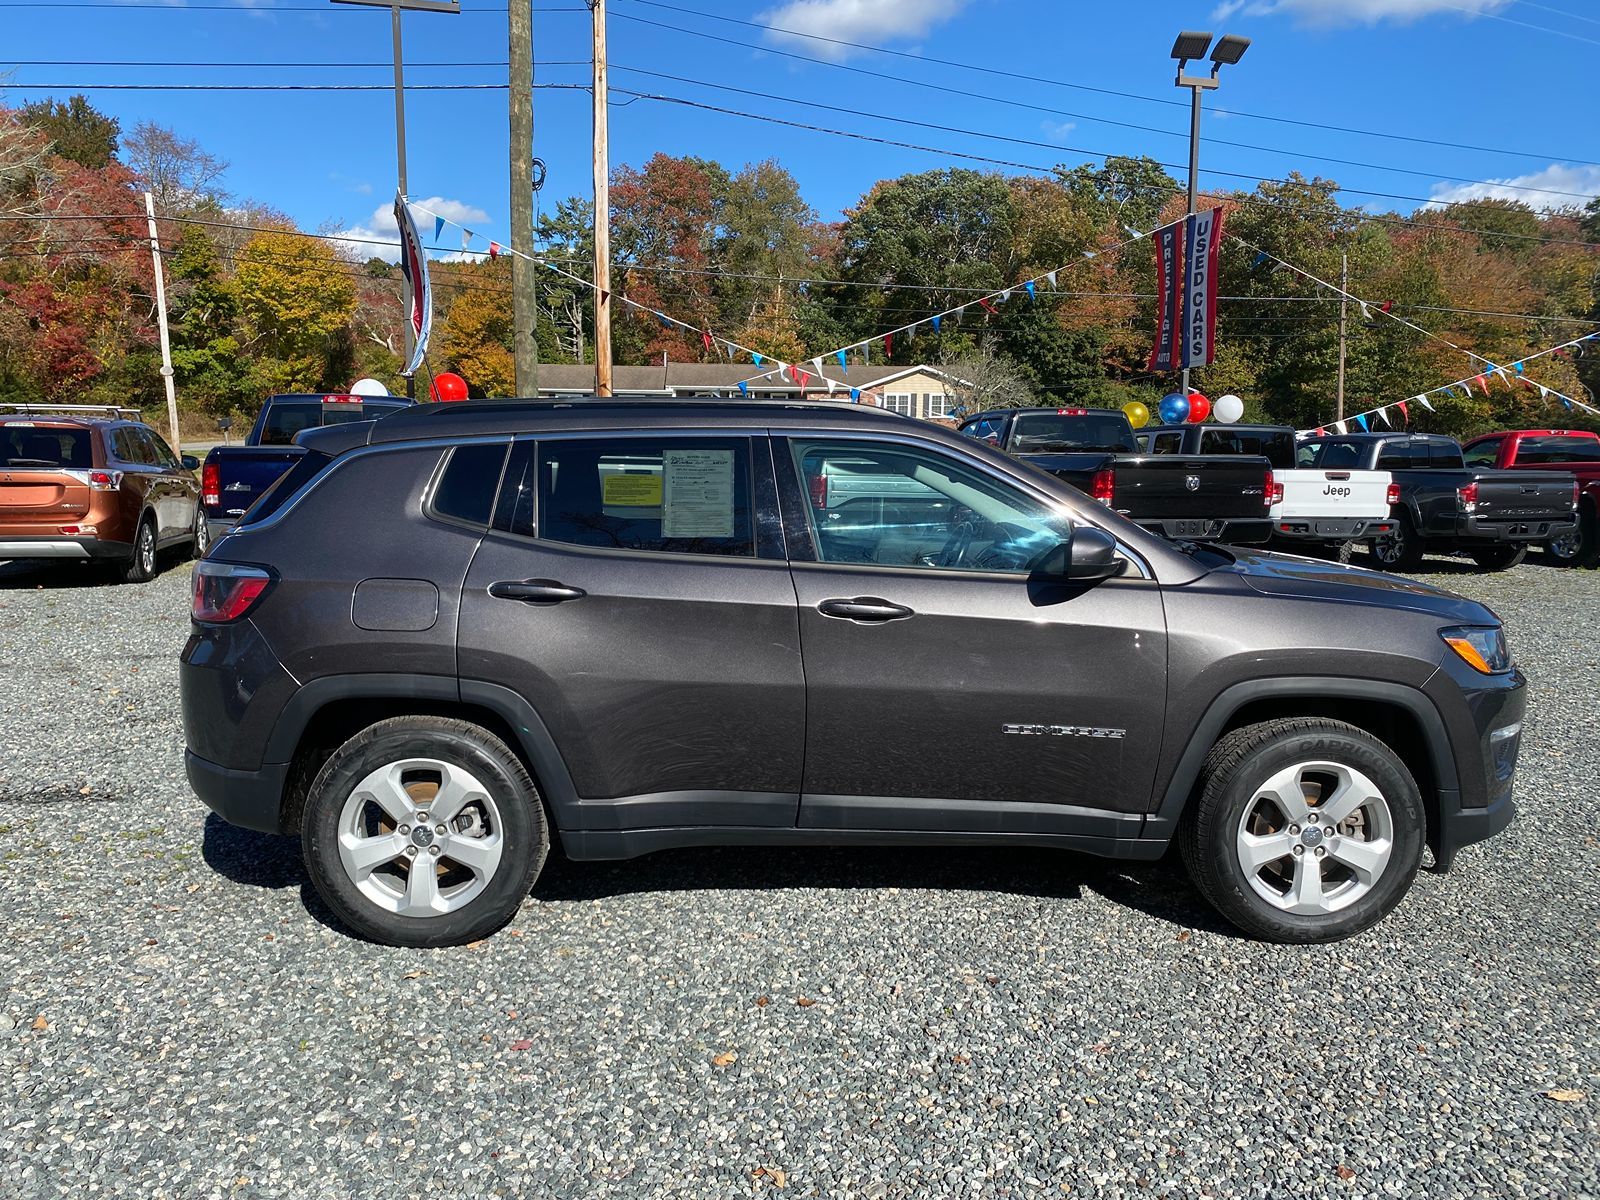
179,1017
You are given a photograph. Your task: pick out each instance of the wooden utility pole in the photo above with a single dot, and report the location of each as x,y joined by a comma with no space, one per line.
1344,307
524,278
161,324
602,210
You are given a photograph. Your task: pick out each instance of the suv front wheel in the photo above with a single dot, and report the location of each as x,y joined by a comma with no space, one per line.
424,831
1306,830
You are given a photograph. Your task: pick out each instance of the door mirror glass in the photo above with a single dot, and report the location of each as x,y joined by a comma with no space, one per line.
1088,555
191,463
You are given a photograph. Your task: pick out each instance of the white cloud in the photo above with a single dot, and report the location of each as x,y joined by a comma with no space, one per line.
382,227
856,21
1057,131
1558,177
1356,12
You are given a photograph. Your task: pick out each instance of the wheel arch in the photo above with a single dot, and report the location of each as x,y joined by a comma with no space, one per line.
1401,717
326,712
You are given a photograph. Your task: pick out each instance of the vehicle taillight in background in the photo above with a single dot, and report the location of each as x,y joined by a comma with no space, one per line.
1273,492
1467,497
1393,497
343,399
225,592
1103,486
1576,492
818,486
105,481
211,484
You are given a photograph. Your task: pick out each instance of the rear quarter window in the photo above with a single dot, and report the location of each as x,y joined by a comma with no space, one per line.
467,484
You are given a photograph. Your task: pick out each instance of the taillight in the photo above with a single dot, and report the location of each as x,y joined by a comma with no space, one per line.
818,486
1467,497
1103,486
105,481
1575,493
211,484
225,592
1393,497
1273,491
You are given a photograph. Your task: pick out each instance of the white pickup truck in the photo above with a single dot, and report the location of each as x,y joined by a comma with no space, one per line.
1322,510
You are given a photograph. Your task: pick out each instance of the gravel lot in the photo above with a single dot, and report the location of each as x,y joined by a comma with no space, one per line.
179,1017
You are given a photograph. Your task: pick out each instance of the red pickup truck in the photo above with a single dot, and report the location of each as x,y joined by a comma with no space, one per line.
1573,450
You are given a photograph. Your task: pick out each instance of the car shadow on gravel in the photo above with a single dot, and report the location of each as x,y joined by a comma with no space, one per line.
1159,889
30,575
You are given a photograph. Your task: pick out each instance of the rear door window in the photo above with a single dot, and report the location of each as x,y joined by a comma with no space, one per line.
1277,445
1483,453
688,495
289,418
1402,456
157,449
1166,443
1556,450
25,445
1443,456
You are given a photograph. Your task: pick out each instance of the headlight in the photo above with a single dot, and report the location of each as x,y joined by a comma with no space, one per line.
1481,647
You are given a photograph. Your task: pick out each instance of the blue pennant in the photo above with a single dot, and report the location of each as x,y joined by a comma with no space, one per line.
744,388
855,394
1517,367
438,227
843,362
1361,421
1029,286
755,358
936,324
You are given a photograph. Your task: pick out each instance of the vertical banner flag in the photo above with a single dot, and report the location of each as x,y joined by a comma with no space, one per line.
419,295
1200,288
1169,303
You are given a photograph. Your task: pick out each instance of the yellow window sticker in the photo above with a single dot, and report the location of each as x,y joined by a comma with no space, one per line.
631,491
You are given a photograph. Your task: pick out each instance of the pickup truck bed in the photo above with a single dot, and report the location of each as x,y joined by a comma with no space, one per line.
1201,497
1574,452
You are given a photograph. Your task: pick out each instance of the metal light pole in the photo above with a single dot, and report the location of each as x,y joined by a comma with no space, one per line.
1193,45
394,7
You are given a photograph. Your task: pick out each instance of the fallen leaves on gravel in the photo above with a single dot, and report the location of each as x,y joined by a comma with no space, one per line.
1564,1095
413,974
1344,1172
804,1001
39,1022
779,1178
522,1044
726,1059
763,1001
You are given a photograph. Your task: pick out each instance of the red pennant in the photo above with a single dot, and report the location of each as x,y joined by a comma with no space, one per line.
1405,413
1386,306
1481,382
987,307
1321,432
705,337
888,343
494,250
1525,382
804,377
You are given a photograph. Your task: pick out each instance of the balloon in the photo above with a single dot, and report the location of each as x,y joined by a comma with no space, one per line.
448,386
1199,408
1228,409
1174,408
1138,415
368,387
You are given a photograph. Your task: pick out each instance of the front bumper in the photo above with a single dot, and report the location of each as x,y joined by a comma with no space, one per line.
57,546
1494,529
251,799
1464,826
1484,716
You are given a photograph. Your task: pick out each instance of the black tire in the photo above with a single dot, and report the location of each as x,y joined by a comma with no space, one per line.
141,565
1343,552
1232,783
1583,548
201,533
513,802
1400,551
1498,558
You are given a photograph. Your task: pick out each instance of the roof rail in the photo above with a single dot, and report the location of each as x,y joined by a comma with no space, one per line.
99,410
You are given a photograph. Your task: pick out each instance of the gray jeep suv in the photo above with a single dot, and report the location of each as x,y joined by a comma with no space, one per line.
451,636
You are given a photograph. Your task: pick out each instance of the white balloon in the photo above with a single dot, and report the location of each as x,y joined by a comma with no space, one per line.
1228,409
368,387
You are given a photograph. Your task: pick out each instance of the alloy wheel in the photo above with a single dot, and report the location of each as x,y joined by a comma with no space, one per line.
147,549
420,837
1316,837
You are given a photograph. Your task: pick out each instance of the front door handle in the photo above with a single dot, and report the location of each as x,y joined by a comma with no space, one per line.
535,591
864,608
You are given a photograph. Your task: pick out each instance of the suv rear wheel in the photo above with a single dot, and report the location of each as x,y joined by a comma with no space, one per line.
141,567
1306,830
424,831
1581,547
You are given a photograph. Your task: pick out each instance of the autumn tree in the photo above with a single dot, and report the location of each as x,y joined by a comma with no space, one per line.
296,299
475,337
176,170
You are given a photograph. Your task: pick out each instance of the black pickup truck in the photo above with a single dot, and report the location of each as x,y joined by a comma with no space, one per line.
1491,516
1195,497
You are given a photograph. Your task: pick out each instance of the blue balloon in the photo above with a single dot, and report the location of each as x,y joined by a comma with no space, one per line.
1174,408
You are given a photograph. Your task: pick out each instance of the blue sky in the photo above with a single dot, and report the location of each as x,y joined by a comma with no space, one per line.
1503,75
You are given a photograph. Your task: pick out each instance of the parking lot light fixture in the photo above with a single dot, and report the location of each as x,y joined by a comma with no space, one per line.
1190,45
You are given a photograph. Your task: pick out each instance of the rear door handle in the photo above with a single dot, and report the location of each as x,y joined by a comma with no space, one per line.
864,608
535,591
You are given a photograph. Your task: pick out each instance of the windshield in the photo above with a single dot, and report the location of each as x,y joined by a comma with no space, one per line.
1065,432
1276,444
286,420
1558,450
26,445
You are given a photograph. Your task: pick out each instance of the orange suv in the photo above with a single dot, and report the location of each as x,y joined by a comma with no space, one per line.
94,483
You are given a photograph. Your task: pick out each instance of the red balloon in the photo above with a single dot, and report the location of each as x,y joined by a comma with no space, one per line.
1199,408
448,386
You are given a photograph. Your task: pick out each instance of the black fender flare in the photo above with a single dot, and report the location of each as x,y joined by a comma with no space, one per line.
1163,823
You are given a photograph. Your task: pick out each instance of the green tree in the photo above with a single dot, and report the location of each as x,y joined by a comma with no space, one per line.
210,373
77,130
296,301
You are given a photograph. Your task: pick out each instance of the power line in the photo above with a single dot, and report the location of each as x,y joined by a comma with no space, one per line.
276,87
1058,83
387,66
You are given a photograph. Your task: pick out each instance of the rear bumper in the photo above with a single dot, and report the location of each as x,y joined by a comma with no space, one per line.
1332,529
250,799
1494,529
44,546
1243,531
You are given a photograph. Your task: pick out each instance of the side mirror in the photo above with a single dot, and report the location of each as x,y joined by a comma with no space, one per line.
190,463
1088,556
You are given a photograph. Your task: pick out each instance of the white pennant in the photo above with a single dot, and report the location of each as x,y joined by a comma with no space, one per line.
1423,400
1384,413
816,366
1052,278
1339,425
1366,313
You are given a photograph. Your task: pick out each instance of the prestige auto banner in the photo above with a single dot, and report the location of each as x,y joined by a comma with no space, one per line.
1169,299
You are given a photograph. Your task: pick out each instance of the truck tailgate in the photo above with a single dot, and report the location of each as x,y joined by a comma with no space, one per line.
244,473
1319,493
1522,495
1206,485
